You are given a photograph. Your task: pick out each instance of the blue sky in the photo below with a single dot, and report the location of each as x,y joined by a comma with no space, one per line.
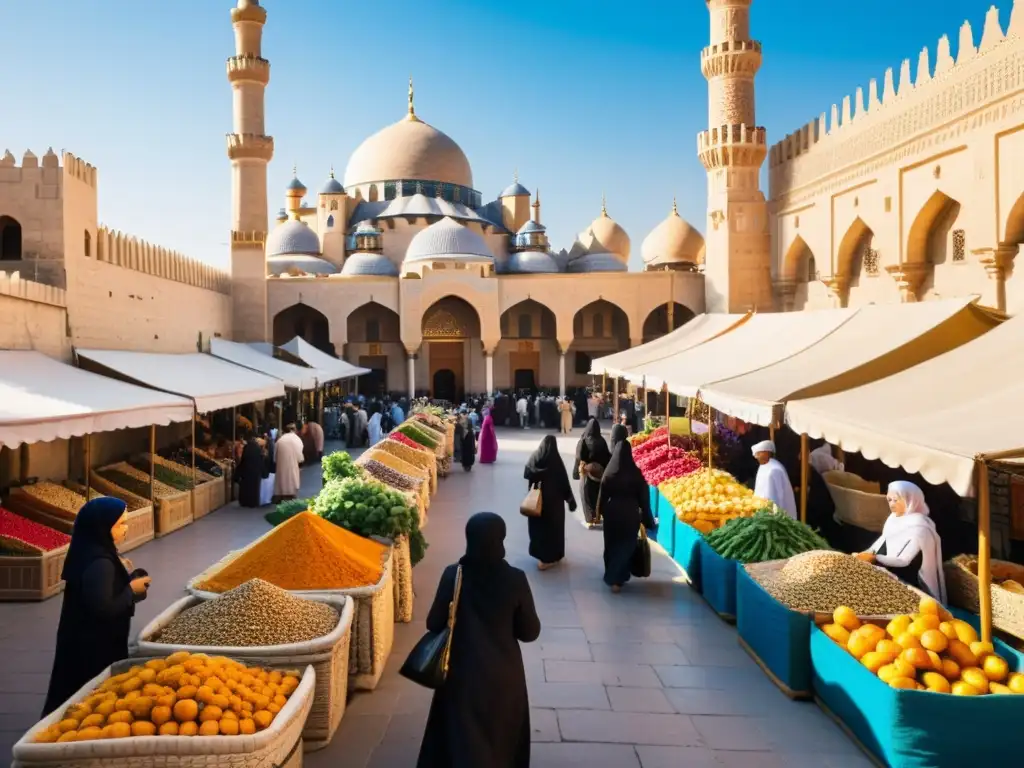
582,96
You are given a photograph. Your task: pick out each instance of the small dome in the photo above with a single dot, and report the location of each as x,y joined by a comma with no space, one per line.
291,237
596,262
295,185
530,262
420,205
282,215
531,226
607,236
409,150
332,186
369,264
515,190
673,241
447,240
299,264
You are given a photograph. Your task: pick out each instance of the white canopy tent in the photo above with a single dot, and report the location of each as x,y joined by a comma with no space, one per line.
878,341
42,399
758,342
294,376
213,383
315,358
700,329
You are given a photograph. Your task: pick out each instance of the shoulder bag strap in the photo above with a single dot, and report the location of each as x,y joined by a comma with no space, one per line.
453,606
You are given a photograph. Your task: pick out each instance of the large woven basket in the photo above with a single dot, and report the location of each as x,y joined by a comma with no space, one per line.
858,501
267,749
328,655
373,625
963,590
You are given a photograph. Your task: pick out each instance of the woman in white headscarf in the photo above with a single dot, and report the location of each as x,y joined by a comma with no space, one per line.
822,460
909,546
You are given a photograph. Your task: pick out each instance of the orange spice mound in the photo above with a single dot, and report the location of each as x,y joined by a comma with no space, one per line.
303,553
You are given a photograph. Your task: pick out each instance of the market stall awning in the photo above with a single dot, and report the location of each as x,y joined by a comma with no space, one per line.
213,383
42,399
332,366
878,341
294,376
936,418
698,330
758,342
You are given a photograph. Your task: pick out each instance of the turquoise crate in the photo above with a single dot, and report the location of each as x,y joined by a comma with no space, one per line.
776,636
686,542
718,581
916,729
664,513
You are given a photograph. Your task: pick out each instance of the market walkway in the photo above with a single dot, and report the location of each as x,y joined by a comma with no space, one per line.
649,678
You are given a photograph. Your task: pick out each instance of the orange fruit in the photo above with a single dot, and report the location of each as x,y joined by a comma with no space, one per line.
994,667
190,728
187,692
228,727
935,681
209,728
185,710
120,731
263,719
160,715
975,677
961,654
960,688
929,605
89,734
169,728
246,727
67,736
981,650
948,630
210,712
999,689
918,657
122,716
950,669
92,721
904,683
907,640
143,728
1016,682
965,632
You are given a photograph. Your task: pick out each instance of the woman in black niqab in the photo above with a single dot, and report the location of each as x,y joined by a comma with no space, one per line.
592,456
99,600
546,469
480,716
625,504
467,444
249,473
619,434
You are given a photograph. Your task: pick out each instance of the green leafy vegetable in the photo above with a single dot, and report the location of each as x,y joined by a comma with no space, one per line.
767,535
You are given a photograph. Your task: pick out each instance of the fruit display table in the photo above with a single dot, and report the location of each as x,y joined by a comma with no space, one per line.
718,581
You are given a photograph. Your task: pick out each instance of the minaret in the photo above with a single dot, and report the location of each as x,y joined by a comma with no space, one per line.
250,150
738,260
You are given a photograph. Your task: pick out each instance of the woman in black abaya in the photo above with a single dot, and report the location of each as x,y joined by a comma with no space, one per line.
546,469
249,473
619,433
99,600
480,716
591,450
625,503
467,445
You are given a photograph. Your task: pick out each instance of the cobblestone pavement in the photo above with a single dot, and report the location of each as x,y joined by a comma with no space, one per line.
649,678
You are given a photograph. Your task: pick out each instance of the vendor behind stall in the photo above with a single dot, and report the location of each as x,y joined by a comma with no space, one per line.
772,481
909,546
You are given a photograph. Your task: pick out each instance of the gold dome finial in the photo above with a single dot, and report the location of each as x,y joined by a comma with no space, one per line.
536,199
412,107
675,209
332,170
604,206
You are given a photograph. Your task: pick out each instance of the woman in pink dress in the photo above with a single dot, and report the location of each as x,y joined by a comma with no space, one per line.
488,441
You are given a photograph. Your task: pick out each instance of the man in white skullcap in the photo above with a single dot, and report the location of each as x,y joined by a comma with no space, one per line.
772,479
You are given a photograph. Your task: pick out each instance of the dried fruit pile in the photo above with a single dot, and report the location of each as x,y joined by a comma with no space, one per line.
130,479
22,536
57,496
256,613
389,476
182,695
823,581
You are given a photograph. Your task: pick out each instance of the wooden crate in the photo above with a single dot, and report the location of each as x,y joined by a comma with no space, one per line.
141,525
33,577
171,513
209,496
39,511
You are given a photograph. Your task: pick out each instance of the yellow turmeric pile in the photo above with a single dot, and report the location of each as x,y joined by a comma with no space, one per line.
303,553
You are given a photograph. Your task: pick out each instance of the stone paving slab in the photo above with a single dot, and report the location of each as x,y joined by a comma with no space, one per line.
649,678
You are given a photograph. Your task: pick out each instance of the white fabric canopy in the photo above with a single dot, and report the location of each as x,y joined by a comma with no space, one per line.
698,330
758,342
42,399
935,418
295,376
213,383
332,366
878,341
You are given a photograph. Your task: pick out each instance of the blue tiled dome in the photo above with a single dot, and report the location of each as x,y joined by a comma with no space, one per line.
293,236
531,226
296,185
369,264
515,189
596,262
332,187
530,262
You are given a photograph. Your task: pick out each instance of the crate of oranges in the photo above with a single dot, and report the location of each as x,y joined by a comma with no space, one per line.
182,710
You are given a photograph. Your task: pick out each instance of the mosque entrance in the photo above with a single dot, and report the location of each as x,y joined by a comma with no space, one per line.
525,367
444,386
374,383
446,370
524,380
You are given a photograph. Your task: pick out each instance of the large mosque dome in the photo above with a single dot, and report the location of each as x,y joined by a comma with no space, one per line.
409,150
448,240
673,241
604,235
291,237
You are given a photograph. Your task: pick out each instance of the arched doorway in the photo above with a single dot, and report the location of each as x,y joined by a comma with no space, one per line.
305,322
374,342
855,257
933,239
600,328
445,385
10,239
657,324
451,336
528,347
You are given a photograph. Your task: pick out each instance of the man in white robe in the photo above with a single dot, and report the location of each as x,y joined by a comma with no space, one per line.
288,457
772,479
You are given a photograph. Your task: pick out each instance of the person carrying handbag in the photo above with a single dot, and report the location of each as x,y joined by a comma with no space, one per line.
546,470
480,713
624,503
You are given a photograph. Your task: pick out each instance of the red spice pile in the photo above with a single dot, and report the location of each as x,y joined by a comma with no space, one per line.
15,527
398,436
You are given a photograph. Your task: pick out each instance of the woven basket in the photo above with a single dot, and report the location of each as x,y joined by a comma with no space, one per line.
267,749
963,590
373,626
404,596
418,456
328,655
858,501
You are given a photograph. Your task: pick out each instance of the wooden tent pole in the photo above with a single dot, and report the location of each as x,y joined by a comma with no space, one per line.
615,400
192,496
804,477
668,417
984,552
152,466
771,432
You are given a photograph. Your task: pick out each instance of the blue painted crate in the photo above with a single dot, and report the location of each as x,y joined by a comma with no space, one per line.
916,729
686,542
664,513
776,636
718,581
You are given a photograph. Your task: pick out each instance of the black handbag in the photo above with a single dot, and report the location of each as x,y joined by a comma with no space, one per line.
427,663
640,565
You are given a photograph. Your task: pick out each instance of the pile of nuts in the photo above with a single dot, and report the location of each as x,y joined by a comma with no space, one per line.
822,581
56,496
255,613
389,476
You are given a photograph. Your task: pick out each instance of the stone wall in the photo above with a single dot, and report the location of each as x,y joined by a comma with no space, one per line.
33,316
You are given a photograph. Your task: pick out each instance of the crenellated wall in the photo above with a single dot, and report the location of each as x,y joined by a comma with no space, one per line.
912,191
33,316
132,253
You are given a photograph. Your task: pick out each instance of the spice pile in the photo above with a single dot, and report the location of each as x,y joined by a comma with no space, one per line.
256,613
182,695
385,474
63,500
303,553
21,537
768,535
823,581
399,445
